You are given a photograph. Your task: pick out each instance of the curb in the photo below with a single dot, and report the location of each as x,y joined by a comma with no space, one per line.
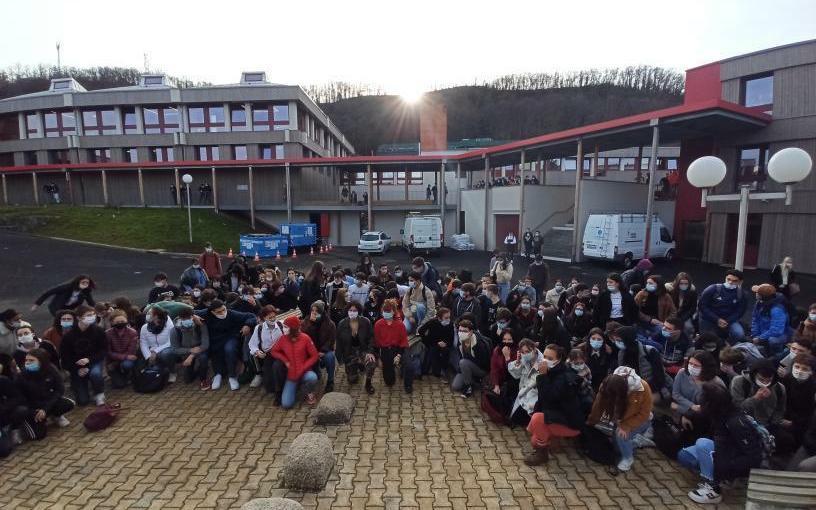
113,246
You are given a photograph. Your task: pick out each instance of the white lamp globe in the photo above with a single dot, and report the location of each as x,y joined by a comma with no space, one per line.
789,165
187,178
706,172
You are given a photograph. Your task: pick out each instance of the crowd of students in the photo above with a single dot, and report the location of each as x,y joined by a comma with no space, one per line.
561,357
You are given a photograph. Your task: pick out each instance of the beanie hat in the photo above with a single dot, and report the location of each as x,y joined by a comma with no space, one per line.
292,322
765,290
320,306
644,265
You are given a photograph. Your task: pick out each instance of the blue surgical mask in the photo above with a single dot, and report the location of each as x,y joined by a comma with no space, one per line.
388,315
812,317
529,357
611,288
729,285
67,324
525,306
579,312
684,287
32,366
596,344
501,324
666,333
186,323
412,285
651,287
620,345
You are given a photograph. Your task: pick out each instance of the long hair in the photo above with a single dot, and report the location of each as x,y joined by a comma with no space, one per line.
661,288
675,292
709,365
341,298
716,403
613,396
75,282
43,357
316,272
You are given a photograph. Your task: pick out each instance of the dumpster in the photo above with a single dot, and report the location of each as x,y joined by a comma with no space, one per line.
300,234
265,245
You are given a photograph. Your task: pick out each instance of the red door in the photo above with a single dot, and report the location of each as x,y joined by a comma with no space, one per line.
505,223
752,236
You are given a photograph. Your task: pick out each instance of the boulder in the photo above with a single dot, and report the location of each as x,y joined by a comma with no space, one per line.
271,504
333,409
309,462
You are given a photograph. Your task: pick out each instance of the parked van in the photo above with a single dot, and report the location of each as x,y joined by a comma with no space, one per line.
422,233
621,236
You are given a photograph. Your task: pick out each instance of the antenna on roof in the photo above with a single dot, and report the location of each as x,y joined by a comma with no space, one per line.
146,63
59,63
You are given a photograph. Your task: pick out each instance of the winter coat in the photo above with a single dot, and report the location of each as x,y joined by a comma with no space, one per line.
684,302
503,275
8,339
526,374
310,291
41,390
770,319
498,365
155,293
211,264
78,344
767,411
776,279
62,294
479,353
464,306
390,335
365,337
323,333
600,363
300,354
559,396
121,343
10,398
603,309
420,295
686,391
665,305
433,331
638,409
183,339
150,342
192,277
737,448
540,273
717,302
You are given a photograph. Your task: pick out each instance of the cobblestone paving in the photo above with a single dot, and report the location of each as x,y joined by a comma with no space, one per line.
184,448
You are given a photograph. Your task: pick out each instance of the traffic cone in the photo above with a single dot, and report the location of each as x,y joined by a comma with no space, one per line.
229,255
277,255
257,258
331,247
321,249
294,253
311,251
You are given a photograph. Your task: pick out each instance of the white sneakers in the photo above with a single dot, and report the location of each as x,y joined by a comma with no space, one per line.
216,384
63,422
256,381
172,377
233,382
626,464
705,494
16,437
100,399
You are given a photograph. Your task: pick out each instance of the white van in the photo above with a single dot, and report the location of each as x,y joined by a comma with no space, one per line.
422,233
621,237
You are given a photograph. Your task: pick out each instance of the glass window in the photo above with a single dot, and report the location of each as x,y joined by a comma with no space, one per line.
161,154
260,118
552,165
281,116
238,115
671,164
152,81
628,163
99,155
758,91
130,155
644,163
270,117
99,122
33,127
752,164
569,164
239,152
129,120
612,164
206,119
64,84
196,119
59,124
30,158
272,151
161,120
208,153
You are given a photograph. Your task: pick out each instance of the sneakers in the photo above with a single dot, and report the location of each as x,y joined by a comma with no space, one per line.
329,387
705,494
100,399
537,457
63,422
310,399
171,378
626,464
467,392
204,385
233,382
256,381
216,382
642,441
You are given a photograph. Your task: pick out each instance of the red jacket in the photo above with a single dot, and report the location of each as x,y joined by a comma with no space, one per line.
498,366
211,264
122,342
390,335
300,354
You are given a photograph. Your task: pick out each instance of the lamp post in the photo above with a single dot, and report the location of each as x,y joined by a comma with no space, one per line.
788,166
187,178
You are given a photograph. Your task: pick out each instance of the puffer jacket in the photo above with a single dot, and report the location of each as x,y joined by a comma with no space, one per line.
770,319
665,305
41,390
322,332
300,354
365,335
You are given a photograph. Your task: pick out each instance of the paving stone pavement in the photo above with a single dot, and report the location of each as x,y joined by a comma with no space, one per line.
184,448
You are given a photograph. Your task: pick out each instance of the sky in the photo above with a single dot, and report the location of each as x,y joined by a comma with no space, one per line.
403,47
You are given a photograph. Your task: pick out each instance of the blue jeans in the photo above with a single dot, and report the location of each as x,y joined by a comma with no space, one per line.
625,446
224,357
649,334
329,362
699,457
290,388
419,316
80,384
736,333
166,359
504,290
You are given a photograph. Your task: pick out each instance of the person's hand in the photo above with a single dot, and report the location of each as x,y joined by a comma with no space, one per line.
198,321
608,349
543,368
781,371
497,389
722,323
506,353
246,330
674,406
397,359
132,357
82,362
195,350
686,423
39,415
187,361
655,322
34,307
518,359
696,408
622,434
762,393
260,354
83,372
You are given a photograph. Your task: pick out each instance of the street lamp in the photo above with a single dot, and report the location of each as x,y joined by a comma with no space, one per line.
788,166
187,178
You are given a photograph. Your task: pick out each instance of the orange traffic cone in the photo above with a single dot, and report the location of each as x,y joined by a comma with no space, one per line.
294,253
229,255
277,255
311,251
321,249
331,247
257,258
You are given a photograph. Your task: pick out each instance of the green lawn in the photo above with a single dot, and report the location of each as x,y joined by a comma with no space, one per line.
164,229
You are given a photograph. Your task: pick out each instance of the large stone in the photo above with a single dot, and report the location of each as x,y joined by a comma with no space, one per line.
309,462
271,504
333,409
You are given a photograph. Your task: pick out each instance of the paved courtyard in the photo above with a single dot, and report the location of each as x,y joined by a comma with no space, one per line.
184,448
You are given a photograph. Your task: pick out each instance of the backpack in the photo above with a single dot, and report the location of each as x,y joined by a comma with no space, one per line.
655,359
102,417
597,446
151,379
766,439
668,436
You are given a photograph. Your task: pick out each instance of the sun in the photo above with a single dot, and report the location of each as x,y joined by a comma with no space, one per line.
411,94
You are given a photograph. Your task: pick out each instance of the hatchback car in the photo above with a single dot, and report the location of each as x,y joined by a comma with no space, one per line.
374,242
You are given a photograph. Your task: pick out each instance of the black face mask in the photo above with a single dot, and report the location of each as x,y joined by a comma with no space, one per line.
121,325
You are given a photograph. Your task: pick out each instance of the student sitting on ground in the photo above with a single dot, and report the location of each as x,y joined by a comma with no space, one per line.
43,392
123,349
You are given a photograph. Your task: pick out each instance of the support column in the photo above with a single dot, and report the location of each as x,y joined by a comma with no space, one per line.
742,227
141,187
407,177
638,164
104,187
251,201
288,195
576,213
368,186
248,111
178,187
542,173
487,214
36,188
458,197
69,185
227,118
650,198
214,190
139,120
5,189
441,190
21,126
521,197
593,168
117,113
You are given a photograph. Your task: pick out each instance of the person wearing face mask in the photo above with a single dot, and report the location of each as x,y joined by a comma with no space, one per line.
783,277
437,335
160,286
418,304
391,342
467,303
614,304
687,390
504,386
226,328
557,411
758,393
579,321
505,320
42,390
489,304
68,295
502,273
452,292
672,344
358,292
12,410
594,292
636,275
684,296
525,316
539,273
769,322
576,360
525,288
525,368
554,294
296,351
807,328
654,306
598,356
335,285
192,276
549,329
154,342
210,262
800,389
63,321
355,347
384,275
82,351
722,305
645,360
320,328
732,363
190,342
799,345
472,357
27,341
123,347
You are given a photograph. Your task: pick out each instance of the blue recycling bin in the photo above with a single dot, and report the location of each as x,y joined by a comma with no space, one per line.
265,245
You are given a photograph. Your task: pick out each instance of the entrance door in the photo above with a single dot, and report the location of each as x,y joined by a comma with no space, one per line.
693,238
752,237
505,223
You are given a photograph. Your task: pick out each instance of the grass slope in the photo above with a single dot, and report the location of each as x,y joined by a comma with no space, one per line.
164,229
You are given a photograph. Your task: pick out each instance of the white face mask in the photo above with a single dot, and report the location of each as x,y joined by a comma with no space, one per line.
91,319
463,335
353,314
220,315
286,330
800,375
694,371
550,363
579,366
762,384
26,340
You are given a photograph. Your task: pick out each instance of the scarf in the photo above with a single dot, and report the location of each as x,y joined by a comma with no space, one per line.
632,379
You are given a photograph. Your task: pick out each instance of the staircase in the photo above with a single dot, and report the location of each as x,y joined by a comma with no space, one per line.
557,243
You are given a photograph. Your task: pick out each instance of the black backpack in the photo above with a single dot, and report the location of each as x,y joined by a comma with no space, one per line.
597,446
151,379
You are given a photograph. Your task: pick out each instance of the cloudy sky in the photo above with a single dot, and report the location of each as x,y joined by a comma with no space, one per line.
402,46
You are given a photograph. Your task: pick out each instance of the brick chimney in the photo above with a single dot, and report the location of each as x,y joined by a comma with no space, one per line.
433,125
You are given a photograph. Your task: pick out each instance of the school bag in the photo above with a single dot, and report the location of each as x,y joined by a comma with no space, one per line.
6,444
102,417
597,446
151,379
766,439
668,436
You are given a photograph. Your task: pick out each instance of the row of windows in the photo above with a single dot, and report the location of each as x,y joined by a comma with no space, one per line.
157,154
381,178
608,164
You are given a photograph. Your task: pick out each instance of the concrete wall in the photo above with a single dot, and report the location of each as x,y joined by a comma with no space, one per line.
123,188
20,189
547,206
475,215
87,188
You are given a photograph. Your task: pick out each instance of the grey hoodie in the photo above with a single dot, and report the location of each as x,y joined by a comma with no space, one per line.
767,411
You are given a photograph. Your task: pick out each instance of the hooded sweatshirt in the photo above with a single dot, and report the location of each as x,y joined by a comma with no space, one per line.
767,411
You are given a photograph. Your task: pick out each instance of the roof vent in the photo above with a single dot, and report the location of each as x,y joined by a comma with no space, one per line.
62,85
248,78
153,80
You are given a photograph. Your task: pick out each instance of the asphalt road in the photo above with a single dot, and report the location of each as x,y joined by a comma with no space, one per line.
29,265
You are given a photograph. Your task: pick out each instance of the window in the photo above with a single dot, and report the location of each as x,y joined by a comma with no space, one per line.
552,165
30,158
587,165
384,178
60,85
205,119
58,157
208,153
238,114
569,164
612,164
758,91
161,154
161,120
9,128
644,163
272,151
130,155
59,124
33,126
665,236
413,178
752,164
628,163
99,155
671,164
270,117
239,152
153,81
99,122
129,123
254,77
